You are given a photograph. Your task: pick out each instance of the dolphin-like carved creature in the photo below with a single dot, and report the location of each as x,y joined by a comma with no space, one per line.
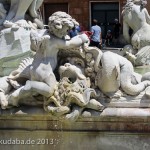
118,72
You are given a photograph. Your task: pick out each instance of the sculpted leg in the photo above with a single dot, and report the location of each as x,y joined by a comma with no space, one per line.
17,12
22,8
38,4
34,7
30,88
132,89
38,87
3,100
2,13
13,8
14,97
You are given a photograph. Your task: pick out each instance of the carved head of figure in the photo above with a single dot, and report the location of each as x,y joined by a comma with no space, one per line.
60,23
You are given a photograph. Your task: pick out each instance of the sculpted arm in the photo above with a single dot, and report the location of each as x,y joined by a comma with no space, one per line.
38,40
74,42
126,32
147,16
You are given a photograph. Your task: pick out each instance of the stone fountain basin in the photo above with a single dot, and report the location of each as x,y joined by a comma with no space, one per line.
114,128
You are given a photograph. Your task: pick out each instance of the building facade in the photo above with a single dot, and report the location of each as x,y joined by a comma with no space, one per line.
105,11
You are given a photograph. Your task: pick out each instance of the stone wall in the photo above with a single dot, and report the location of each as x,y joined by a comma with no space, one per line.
79,9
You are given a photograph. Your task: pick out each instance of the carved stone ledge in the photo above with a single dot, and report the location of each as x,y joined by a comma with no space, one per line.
111,119
114,128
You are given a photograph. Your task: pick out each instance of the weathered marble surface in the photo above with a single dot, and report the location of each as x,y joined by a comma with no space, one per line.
14,42
138,51
20,13
115,128
16,24
68,81
67,77
64,140
14,46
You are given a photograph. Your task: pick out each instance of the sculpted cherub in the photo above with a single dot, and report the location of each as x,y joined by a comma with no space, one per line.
47,45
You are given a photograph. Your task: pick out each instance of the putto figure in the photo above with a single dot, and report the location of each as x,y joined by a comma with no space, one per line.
47,43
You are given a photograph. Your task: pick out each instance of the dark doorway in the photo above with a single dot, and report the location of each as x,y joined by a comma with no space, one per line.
50,8
105,13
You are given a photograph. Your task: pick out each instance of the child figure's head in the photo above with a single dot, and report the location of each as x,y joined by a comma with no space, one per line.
109,32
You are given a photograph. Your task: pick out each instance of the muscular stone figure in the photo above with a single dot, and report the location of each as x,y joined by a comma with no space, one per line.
18,9
140,25
140,39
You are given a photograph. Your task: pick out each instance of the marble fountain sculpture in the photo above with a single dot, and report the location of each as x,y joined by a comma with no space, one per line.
34,78
17,19
68,78
66,87
136,17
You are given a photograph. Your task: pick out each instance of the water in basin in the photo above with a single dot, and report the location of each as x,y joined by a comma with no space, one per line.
142,69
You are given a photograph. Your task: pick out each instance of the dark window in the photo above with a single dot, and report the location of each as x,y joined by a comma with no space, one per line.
105,13
50,8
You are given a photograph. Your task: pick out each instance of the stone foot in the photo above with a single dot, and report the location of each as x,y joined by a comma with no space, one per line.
73,116
14,97
147,92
